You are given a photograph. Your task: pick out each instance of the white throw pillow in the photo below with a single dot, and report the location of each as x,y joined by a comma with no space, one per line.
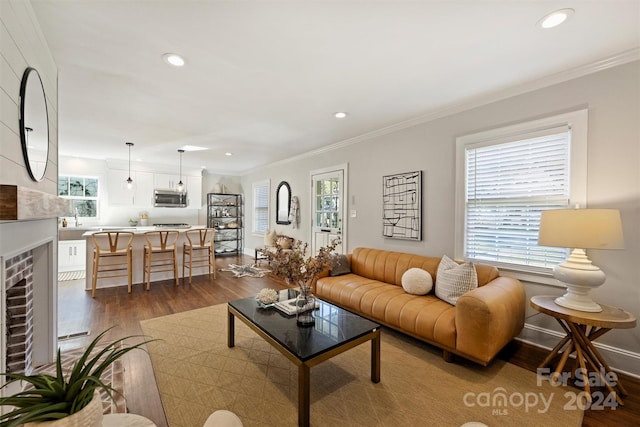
417,281
270,238
453,279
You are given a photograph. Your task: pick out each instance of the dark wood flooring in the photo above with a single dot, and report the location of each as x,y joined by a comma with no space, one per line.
114,307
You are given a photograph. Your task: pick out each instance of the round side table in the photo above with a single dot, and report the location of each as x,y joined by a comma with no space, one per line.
582,328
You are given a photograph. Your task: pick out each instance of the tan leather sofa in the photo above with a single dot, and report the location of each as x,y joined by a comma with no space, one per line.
481,323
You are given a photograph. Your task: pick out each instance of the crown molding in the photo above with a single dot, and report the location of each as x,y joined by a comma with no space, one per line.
474,102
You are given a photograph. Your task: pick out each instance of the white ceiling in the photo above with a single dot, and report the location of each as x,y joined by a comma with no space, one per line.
263,78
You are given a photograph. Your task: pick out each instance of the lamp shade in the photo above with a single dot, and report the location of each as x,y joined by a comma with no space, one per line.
581,228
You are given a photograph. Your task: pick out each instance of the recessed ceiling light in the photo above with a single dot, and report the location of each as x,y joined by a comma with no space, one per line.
228,154
555,18
340,115
173,59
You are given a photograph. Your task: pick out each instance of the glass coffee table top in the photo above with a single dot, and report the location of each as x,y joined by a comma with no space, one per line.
334,326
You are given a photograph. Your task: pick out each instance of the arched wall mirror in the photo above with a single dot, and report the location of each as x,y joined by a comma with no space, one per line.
283,203
34,124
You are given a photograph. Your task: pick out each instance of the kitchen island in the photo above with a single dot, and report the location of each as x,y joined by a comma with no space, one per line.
137,245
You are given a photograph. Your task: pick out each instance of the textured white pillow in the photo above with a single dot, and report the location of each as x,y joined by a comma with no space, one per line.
270,238
417,281
453,279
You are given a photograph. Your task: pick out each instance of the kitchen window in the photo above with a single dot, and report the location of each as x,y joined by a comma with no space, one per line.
261,206
505,178
83,191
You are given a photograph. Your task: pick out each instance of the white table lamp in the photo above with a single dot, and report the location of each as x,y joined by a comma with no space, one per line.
580,229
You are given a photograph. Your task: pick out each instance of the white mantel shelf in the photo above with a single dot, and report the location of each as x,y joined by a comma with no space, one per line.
22,204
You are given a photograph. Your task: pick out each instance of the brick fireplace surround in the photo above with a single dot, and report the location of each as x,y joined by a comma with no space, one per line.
28,282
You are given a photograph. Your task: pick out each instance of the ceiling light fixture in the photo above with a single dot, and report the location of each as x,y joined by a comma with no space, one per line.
340,115
129,180
180,184
193,148
228,154
173,59
555,18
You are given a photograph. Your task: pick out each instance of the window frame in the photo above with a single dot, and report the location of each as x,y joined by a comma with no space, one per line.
577,122
73,198
254,188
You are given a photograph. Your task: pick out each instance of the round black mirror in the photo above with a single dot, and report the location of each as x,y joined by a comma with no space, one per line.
34,124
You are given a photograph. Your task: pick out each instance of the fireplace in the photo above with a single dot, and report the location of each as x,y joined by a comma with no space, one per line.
19,314
28,295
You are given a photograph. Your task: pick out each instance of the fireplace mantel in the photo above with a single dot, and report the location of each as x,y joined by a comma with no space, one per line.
22,203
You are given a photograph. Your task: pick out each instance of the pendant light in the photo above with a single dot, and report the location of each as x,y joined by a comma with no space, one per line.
180,184
129,180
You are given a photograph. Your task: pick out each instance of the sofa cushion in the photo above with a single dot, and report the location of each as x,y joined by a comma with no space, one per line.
417,281
339,265
270,238
425,316
388,266
453,279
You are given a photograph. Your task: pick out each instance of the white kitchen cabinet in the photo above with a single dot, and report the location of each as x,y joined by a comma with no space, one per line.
119,194
167,181
140,194
194,192
144,190
72,255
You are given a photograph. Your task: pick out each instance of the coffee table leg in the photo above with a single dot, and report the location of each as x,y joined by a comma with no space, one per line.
231,330
304,395
375,358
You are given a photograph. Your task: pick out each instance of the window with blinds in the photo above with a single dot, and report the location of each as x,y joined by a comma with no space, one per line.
506,177
507,187
261,207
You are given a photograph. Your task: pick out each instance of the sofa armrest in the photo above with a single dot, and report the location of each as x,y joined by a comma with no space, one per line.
488,317
326,273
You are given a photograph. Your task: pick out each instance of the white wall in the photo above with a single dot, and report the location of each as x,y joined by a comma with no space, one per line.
23,45
613,99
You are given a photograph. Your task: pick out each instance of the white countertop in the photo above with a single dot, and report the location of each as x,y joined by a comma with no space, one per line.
138,230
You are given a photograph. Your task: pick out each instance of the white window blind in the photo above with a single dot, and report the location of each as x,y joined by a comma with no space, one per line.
507,185
261,207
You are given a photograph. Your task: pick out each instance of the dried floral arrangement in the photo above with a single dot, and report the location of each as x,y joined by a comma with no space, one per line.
295,266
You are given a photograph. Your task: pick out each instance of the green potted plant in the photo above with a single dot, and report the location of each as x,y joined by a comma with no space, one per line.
65,399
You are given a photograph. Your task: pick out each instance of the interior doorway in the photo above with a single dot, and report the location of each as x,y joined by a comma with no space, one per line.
328,207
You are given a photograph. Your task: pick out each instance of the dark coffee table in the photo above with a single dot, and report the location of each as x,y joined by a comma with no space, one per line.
336,331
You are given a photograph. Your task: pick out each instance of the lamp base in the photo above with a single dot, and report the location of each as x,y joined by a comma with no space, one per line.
579,275
580,302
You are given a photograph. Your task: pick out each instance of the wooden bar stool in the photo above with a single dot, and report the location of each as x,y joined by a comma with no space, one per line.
113,246
198,242
163,244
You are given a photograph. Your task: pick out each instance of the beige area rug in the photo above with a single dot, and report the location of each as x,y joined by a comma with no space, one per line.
197,374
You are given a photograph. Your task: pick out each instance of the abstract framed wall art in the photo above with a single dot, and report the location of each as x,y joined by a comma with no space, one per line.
402,206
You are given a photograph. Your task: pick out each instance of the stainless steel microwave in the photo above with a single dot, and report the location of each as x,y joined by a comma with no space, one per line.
169,198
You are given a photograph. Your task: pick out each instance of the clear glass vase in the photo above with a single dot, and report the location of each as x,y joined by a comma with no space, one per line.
305,306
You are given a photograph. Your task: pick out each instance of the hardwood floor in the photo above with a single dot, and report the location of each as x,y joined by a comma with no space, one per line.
114,307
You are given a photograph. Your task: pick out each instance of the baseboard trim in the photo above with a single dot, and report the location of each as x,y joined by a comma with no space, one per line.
621,360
